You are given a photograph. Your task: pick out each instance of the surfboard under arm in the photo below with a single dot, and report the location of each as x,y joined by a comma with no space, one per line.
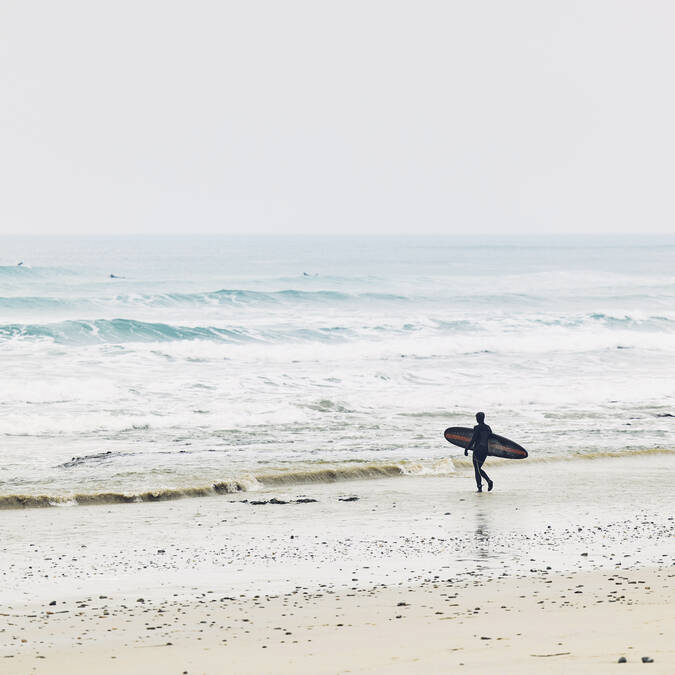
498,446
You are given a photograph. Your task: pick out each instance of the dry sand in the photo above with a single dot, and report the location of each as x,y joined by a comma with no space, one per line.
581,622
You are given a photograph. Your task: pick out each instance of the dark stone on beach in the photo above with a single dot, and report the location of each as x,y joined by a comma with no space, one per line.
647,659
52,603
585,555
274,500
622,659
258,503
348,499
305,500
140,600
402,604
161,550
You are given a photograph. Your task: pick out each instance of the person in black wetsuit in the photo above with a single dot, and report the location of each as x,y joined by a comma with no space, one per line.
479,445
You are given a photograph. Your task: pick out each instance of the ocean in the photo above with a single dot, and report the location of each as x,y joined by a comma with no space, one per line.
143,369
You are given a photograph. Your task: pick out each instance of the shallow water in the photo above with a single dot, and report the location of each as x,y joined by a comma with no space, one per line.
225,361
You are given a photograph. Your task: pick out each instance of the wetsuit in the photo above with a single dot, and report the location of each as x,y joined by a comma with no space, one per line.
479,445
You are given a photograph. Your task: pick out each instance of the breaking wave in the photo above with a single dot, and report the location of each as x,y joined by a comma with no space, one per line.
260,481
128,330
222,297
120,331
244,483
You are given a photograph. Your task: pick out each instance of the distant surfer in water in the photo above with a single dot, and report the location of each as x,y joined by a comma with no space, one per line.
479,445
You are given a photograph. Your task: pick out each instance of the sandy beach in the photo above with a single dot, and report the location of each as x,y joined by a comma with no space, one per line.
554,623
282,282
410,574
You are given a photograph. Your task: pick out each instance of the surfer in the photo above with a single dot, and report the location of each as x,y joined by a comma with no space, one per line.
479,445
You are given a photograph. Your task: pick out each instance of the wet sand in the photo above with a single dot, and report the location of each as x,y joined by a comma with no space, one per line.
414,574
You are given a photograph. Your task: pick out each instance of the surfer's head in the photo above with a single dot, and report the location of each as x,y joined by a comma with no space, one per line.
480,417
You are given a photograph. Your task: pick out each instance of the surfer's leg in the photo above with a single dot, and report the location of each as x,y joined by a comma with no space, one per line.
483,474
487,479
477,471
478,459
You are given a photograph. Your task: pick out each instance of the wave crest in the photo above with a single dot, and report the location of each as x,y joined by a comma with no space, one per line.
115,331
244,483
333,474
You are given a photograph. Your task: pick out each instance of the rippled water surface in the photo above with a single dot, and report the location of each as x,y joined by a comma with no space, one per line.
248,362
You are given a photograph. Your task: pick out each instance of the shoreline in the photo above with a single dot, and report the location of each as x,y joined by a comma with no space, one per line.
305,475
348,554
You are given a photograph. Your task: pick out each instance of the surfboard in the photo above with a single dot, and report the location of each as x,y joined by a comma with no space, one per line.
498,446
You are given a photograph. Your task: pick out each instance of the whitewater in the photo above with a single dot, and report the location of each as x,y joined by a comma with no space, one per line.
141,369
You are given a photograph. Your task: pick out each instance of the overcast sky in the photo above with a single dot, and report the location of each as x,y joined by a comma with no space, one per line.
337,117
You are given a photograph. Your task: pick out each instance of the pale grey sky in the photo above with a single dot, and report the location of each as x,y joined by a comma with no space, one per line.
449,117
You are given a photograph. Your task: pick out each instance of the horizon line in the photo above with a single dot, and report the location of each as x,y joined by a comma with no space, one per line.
356,235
